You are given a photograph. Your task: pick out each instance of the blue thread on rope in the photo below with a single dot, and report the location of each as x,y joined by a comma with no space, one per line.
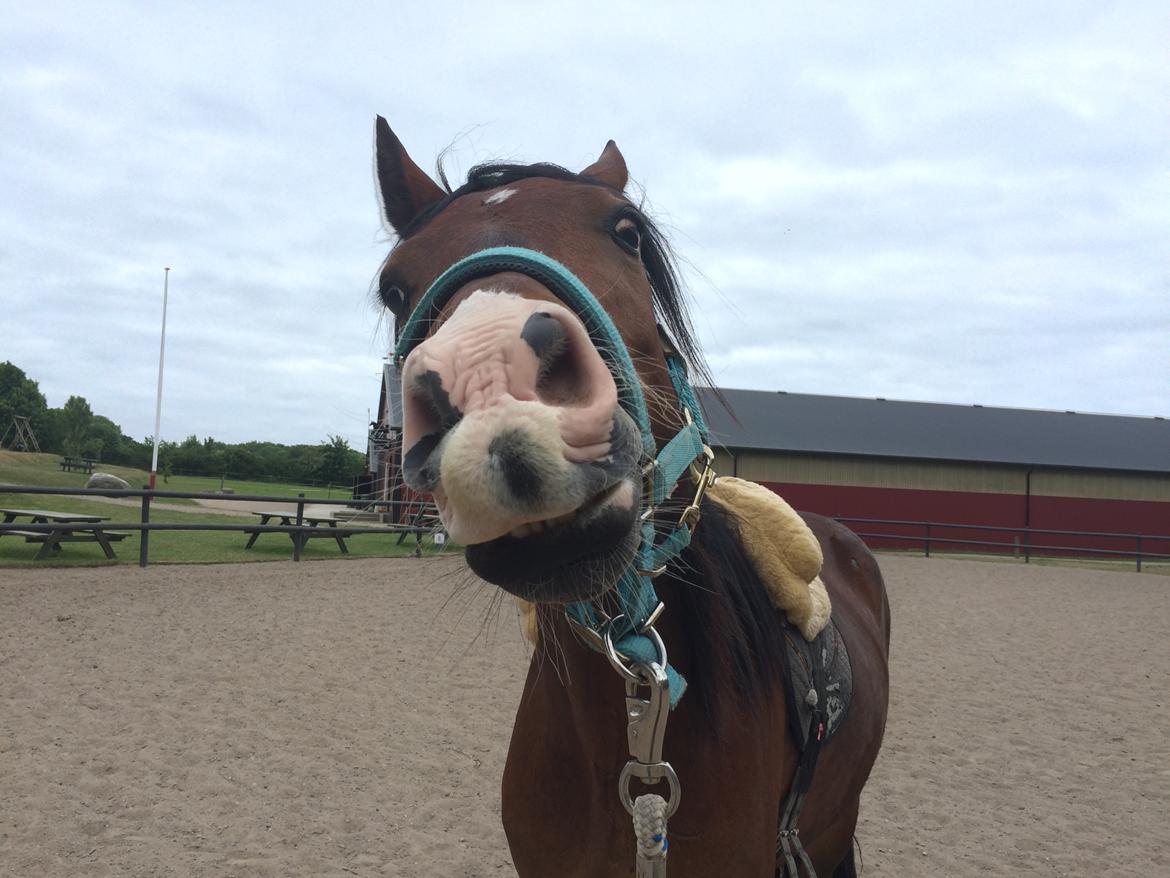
636,595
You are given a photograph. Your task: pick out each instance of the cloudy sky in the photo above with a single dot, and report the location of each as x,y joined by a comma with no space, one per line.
950,202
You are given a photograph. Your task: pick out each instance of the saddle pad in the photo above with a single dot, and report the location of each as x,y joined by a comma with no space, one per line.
782,548
824,660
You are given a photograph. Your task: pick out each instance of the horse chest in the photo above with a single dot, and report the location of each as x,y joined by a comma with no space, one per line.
560,806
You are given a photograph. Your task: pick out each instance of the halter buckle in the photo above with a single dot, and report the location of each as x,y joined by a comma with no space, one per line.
704,479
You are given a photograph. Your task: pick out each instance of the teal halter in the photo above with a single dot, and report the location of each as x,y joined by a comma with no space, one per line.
635,589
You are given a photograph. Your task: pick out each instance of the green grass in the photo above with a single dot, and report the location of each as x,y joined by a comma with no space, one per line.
207,484
190,547
44,470
206,547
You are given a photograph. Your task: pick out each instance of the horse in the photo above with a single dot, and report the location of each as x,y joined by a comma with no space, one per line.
515,421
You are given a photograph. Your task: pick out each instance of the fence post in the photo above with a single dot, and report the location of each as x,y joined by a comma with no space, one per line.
928,541
1028,545
144,535
300,522
1139,553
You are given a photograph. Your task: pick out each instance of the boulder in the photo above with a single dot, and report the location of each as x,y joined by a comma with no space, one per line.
106,480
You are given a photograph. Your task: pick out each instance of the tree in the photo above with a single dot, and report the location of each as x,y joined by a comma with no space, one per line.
188,456
239,462
76,418
336,461
20,395
103,440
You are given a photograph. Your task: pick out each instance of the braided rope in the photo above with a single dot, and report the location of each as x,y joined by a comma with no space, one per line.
650,826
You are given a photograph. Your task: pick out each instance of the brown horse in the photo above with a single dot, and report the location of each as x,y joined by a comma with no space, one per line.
512,423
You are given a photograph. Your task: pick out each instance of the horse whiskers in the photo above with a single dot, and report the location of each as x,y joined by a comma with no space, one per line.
491,617
549,647
465,580
469,591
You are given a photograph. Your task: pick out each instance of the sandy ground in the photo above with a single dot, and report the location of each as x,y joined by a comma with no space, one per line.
351,718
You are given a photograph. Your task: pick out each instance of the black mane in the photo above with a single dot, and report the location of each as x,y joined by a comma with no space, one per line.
730,628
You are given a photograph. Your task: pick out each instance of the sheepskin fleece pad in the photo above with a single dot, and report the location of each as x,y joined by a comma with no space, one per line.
783,549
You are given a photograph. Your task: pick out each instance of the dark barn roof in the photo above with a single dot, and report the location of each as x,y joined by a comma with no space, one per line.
804,423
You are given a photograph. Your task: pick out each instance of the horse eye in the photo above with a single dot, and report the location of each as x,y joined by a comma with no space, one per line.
393,298
628,235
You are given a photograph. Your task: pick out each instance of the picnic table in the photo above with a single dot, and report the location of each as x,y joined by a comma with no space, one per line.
289,519
79,529
81,464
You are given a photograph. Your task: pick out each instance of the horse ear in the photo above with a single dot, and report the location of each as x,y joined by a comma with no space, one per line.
403,188
610,168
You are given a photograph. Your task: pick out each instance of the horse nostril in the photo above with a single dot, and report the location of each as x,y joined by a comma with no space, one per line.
427,418
544,334
420,465
427,406
559,380
509,453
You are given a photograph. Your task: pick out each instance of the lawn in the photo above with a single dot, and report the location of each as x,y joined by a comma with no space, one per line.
20,468
196,547
169,546
211,485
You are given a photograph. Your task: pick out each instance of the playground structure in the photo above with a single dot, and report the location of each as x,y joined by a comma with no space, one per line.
24,438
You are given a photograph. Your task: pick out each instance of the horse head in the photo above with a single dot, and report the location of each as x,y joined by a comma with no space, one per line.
511,413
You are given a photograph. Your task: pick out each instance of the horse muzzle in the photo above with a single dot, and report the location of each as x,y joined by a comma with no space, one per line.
512,423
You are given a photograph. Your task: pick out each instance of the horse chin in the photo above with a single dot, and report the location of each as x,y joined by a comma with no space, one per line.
573,560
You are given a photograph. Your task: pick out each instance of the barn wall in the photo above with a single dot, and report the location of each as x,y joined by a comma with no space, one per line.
928,475
1101,485
968,494
980,508
880,473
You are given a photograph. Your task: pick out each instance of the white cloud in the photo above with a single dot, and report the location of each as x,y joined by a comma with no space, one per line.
915,201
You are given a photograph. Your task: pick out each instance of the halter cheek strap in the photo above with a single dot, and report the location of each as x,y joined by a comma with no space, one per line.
688,450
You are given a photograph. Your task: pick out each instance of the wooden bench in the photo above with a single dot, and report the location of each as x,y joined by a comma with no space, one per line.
51,541
77,464
319,526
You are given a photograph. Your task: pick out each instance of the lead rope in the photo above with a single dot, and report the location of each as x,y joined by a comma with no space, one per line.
645,730
650,834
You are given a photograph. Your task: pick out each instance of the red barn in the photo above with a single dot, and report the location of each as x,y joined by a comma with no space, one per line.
952,464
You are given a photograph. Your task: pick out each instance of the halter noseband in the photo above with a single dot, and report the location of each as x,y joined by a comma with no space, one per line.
625,633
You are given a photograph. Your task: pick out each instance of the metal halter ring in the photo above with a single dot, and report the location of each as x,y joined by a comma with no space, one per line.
649,774
619,661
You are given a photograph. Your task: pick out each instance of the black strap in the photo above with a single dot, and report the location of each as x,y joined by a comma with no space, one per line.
788,837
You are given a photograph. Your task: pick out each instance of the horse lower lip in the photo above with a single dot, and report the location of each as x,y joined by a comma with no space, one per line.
560,565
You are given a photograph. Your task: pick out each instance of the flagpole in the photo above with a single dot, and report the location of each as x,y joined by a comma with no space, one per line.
162,346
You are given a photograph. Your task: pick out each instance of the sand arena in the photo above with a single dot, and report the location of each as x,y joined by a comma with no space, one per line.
349,718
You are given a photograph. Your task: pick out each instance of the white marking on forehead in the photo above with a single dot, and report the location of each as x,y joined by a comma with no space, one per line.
499,197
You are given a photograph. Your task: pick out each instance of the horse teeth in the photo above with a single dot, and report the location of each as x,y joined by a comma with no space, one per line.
535,527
